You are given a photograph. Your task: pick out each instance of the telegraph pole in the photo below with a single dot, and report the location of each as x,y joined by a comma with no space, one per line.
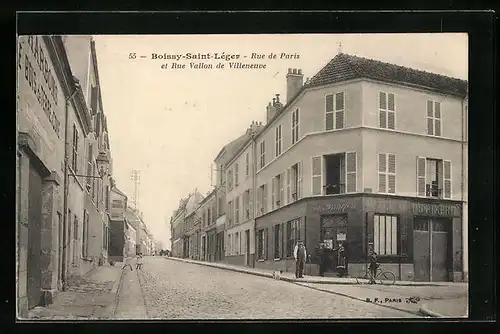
136,178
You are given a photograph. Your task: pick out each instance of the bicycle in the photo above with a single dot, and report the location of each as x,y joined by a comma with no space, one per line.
383,277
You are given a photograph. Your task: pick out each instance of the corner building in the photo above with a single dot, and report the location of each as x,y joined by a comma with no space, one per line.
367,154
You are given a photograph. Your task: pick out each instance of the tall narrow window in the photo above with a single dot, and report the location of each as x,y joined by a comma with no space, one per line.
385,234
229,180
247,164
294,184
288,185
334,111
74,160
236,174
262,154
387,108
295,126
433,118
236,210
386,173
278,140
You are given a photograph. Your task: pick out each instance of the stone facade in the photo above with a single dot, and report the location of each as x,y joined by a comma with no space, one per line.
53,123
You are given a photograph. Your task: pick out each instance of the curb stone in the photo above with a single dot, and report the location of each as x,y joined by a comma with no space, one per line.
287,279
425,311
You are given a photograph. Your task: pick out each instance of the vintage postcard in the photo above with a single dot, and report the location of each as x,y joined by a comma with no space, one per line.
212,177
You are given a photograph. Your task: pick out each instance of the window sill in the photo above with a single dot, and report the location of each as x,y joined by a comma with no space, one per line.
261,260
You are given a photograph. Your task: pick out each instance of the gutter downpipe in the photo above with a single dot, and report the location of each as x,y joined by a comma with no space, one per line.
462,188
254,195
66,188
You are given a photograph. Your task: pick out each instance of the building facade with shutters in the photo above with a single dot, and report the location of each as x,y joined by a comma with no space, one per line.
207,216
240,192
91,235
370,155
118,241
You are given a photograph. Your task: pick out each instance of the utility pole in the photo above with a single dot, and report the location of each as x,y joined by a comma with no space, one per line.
136,178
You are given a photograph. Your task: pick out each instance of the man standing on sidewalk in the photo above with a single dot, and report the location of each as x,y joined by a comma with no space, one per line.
300,255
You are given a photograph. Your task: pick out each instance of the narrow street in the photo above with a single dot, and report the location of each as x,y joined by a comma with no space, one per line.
176,290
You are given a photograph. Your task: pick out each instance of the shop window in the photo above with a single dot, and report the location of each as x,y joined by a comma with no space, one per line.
293,235
385,234
277,241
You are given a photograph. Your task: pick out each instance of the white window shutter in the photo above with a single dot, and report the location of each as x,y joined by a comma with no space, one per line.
447,179
421,166
250,203
316,165
339,110
382,170
288,185
259,201
299,180
391,173
351,168
282,189
391,108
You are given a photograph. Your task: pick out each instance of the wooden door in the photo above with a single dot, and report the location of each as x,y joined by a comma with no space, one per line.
439,254
34,237
421,250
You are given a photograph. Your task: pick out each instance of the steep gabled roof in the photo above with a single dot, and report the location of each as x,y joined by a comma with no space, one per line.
345,67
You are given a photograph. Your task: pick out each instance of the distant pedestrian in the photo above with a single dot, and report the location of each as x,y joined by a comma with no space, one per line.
300,255
127,262
138,264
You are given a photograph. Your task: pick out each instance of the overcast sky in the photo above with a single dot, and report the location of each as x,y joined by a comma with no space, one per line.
170,124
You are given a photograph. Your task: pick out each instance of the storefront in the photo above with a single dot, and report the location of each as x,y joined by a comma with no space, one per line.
417,239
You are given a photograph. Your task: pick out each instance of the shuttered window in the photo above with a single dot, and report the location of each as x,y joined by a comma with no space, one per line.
317,182
386,173
334,111
299,180
262,154
281,184
387,110
236,176
247,164
433,118
434,178
74,160
288,185
421,172
295,126
447,179
236,210
90,156
351,167
278,141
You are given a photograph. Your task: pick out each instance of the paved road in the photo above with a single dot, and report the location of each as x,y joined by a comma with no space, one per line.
176,290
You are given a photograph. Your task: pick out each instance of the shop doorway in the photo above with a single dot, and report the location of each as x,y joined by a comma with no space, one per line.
333,232
247,243
34,237
431,249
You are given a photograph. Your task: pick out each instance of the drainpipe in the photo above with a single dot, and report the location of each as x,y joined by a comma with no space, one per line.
462,187
66,188
254,193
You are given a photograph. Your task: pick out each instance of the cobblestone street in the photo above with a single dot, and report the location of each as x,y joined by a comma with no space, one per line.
176,290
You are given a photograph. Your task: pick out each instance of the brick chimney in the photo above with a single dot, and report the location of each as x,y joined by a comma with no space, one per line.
294,81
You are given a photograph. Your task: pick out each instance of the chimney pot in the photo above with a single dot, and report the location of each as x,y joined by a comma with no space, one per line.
289,70
294,71
300,71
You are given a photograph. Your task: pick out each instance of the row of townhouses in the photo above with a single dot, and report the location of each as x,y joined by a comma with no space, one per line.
129,234
365,154
64,166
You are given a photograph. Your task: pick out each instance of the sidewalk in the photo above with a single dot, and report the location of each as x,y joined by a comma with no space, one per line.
446,308
92,297
290,277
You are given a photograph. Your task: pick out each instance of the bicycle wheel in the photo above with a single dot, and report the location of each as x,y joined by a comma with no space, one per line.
362,276
386,278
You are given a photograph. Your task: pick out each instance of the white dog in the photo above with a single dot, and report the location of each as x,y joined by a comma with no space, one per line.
277,274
